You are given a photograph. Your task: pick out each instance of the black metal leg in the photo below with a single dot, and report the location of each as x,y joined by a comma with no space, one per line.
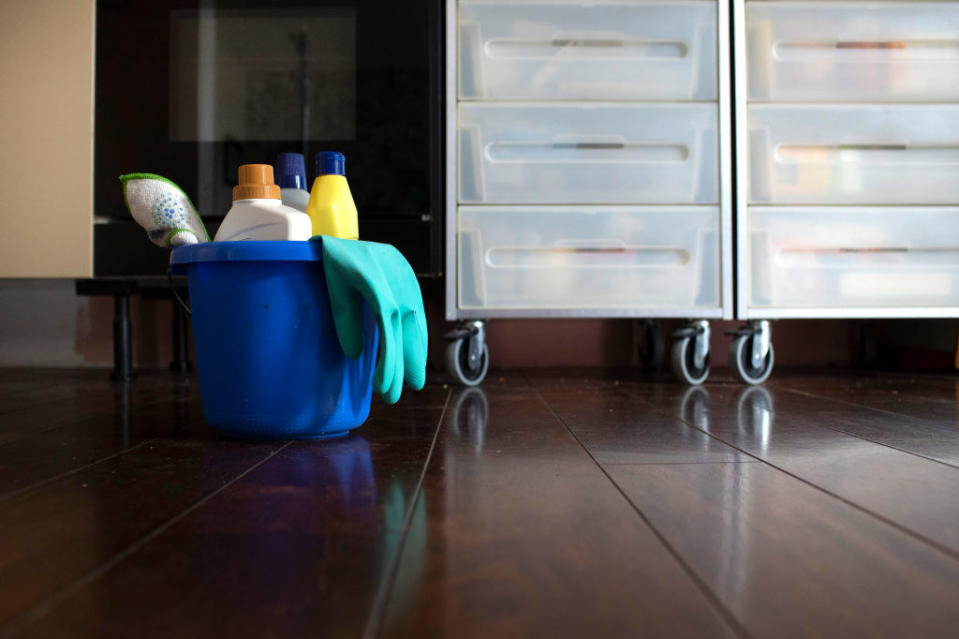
181,350
122,341
868,347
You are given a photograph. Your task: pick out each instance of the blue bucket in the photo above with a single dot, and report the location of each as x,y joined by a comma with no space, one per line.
269,361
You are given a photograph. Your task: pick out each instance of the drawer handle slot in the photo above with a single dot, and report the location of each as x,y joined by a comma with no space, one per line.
867,154
586,46
869,50
587,257
589,145
560,152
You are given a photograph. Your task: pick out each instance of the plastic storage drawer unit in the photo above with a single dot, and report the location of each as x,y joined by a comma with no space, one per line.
595,51
847,257
597,153
853,51
588,257
854,154
589,166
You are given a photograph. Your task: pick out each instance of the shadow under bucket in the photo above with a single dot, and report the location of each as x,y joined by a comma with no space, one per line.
267,354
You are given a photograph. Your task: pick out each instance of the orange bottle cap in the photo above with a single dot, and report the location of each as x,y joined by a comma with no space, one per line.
256,182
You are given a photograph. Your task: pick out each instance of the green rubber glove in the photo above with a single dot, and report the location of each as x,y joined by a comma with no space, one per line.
379,274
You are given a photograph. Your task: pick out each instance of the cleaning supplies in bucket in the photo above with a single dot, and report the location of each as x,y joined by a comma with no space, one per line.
291,176
287,333
331,206
163,210
267,354
257,212
292,337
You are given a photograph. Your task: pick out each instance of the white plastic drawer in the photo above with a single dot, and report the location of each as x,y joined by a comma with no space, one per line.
853,51
588,257
594,153
587,50
854,154
853,257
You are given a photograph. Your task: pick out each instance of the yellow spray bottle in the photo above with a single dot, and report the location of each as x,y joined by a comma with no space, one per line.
331,206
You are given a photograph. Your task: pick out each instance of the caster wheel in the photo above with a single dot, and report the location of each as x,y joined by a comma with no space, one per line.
652,348
740,361
683,364
458,364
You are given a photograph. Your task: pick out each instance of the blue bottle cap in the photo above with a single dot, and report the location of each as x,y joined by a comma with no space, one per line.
291,171
330,163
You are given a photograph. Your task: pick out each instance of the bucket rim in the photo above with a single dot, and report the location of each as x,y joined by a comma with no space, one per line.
247,251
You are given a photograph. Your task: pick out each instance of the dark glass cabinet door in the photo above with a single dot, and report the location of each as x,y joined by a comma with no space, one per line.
192,89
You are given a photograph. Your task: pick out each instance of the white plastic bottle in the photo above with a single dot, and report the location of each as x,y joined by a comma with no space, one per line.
258,213
291,176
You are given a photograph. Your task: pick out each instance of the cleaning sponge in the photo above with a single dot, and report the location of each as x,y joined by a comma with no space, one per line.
163,210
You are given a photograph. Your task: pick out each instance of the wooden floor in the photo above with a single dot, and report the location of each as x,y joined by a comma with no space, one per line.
544,504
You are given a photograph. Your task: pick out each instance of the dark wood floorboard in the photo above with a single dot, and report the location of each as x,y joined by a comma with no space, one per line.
86,419
34,457
917,420
555,503
24,388
34,400
790,561
620,429
523,536
918,396
54,535
783,429
935,440
297,547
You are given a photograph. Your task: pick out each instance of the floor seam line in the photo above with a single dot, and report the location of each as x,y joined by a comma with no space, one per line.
385,589
952,554
40,484
796,391
54,600
868,439
90,419
701,585
704,463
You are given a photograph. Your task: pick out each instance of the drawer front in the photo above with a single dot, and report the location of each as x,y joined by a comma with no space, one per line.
853,257
853,51
588,257
594,51
854,154
567,153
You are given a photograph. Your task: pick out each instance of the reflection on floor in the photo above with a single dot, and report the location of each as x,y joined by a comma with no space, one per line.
557,503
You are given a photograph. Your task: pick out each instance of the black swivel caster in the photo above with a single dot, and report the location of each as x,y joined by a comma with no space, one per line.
652,345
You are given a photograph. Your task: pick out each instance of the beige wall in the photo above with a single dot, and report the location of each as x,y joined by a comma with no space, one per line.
46,138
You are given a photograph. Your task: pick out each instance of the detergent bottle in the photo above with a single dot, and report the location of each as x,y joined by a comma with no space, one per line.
258,213
291,176
331,206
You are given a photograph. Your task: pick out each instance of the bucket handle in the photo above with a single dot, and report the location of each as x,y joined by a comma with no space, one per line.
176,296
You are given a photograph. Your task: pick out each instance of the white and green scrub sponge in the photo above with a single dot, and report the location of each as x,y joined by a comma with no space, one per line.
163,210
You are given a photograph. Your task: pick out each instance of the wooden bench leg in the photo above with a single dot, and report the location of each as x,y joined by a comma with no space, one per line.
122,340
181,350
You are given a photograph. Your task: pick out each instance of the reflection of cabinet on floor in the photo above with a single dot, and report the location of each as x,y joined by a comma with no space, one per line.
590,172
